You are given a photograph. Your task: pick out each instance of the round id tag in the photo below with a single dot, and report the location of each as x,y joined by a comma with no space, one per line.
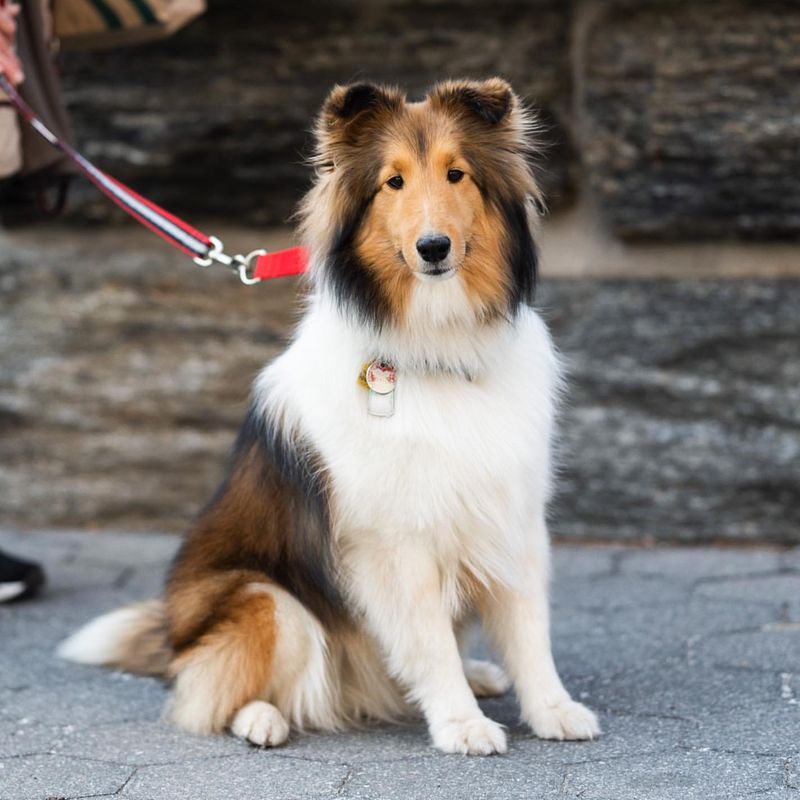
381,377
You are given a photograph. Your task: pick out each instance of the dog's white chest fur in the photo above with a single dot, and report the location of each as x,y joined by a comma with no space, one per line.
461,461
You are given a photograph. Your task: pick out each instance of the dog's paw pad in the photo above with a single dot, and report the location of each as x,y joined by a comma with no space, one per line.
485,678
261,724
564,720
478,736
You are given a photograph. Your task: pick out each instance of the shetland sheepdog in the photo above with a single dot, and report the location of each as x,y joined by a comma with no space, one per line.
390,480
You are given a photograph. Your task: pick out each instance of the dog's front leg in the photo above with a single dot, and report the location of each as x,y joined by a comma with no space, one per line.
400,593
518,621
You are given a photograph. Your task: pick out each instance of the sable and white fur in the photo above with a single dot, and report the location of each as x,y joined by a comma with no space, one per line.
330,579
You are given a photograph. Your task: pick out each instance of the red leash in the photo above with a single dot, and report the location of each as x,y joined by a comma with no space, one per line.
204,250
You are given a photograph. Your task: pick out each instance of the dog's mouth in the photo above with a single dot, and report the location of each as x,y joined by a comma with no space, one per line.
436,272
430,272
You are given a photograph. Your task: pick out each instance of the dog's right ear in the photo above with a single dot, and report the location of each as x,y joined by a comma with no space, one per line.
345,103
349,114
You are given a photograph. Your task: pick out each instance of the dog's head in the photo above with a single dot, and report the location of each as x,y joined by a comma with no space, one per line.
414,194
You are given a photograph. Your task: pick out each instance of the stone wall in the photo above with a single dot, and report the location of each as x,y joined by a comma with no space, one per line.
682,419
215,120
679,118
689,118
124,374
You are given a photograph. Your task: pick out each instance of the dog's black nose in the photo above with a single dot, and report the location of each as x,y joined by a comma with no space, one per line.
433,248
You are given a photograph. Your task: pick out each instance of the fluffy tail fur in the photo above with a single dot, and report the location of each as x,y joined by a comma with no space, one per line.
133,638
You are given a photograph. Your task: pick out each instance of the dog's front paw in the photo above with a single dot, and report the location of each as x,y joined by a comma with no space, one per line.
261,724
485,678
477,736
564,720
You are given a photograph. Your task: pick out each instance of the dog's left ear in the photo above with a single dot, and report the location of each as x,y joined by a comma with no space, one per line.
491,101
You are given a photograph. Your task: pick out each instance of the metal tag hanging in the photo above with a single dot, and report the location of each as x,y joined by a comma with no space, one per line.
381,378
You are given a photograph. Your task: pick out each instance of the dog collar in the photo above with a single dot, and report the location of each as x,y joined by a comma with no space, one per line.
379,378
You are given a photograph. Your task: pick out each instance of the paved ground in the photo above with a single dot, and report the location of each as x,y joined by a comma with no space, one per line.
691,656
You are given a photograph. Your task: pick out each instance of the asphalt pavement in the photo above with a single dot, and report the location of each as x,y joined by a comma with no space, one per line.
690,655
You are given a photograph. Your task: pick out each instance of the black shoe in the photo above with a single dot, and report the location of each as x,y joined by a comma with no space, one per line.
19,579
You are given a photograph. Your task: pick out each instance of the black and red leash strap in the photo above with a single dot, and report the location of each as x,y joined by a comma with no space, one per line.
204,250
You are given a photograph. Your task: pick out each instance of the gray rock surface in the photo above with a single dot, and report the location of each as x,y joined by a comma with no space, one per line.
680,116
683,716
113,362
216,119
688,113
124,374
683,409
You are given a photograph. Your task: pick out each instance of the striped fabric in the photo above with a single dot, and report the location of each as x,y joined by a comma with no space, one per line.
95,16
110,23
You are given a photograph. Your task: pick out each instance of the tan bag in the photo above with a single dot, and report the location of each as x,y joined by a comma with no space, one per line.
95,24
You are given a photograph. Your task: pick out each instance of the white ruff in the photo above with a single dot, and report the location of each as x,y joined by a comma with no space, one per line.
462,468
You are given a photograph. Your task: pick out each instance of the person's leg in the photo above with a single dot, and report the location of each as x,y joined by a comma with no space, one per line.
19,579
35,186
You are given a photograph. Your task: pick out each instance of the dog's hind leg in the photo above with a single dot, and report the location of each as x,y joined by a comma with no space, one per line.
485,678
228,666
261,664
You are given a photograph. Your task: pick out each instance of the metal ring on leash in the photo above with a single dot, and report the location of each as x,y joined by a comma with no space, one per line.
245,272
217,250
242,265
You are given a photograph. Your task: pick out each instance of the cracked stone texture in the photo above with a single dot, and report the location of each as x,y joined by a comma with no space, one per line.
48,775
688,113
124,375
696,683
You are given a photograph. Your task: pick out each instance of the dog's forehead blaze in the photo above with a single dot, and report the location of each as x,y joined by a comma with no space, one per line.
419,138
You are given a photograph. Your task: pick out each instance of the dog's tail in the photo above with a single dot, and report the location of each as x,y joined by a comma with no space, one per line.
132,638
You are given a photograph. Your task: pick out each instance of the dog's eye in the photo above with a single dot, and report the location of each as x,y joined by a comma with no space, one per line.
454,175
396,182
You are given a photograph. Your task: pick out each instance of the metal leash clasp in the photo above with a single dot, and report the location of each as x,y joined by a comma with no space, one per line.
242,265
